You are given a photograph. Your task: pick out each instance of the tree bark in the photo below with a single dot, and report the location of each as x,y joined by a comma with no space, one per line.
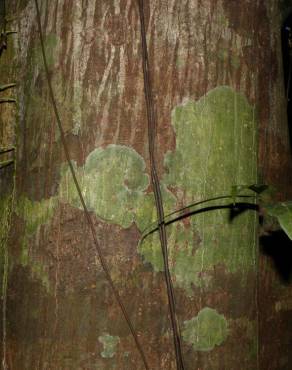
218,91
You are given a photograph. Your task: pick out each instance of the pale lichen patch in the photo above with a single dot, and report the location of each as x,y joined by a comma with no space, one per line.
205,331
109,343
215,149
113,180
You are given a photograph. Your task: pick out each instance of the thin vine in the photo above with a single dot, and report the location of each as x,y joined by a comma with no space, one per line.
152,124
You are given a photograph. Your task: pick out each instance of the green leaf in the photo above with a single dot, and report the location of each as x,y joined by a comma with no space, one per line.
283,212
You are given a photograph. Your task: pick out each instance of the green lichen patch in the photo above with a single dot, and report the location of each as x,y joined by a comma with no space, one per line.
69,105
113,180
182,262
39,272
187,268
215,149
35,213
146,213
109,343
192,260
38,105
215,144
230,244
5,212
205,331
38,108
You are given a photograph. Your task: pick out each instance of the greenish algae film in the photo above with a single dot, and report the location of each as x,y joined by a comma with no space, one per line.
37,105
34,214
51,44
5,212
109,343
205,331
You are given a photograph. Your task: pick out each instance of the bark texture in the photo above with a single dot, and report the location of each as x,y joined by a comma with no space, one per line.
218,91
275,165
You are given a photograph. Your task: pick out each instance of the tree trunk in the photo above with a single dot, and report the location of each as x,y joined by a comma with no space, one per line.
217,85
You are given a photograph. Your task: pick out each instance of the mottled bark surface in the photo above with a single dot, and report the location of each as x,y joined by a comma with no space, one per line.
216,71
275,167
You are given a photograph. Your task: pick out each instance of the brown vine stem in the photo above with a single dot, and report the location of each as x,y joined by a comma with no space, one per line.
152,124
86,212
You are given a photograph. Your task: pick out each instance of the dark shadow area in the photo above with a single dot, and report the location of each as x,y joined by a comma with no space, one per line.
278,247
286,36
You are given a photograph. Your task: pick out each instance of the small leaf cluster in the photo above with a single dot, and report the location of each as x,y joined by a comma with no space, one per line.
268,205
